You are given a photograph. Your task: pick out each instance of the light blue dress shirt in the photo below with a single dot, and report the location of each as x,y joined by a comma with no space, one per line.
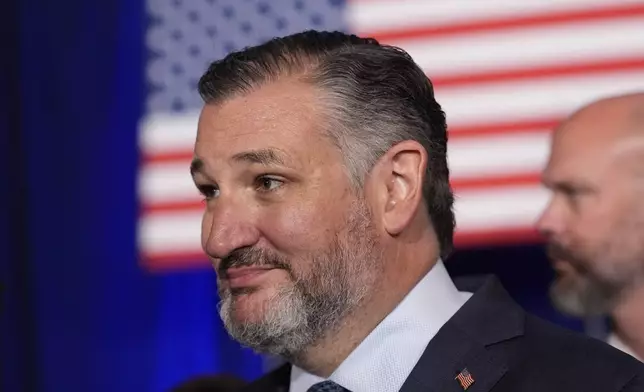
386,357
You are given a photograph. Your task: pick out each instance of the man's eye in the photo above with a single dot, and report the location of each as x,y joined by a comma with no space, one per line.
572,193
208,191
268,184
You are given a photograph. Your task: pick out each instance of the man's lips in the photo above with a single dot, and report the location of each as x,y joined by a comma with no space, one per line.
245,276
561,266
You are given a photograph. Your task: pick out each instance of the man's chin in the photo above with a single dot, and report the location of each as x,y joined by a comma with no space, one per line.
566,301
249,305
578,298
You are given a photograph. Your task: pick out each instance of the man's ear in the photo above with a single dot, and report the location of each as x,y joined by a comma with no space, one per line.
398,181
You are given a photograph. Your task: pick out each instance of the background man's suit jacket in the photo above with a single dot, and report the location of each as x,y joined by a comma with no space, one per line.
506,350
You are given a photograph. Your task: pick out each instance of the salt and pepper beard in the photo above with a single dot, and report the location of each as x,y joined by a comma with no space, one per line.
314,302
589,295
598,288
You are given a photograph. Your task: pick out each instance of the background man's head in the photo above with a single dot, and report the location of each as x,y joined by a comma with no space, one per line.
318,154
594,223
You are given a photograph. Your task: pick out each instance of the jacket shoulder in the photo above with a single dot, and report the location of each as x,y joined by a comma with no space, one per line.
573,361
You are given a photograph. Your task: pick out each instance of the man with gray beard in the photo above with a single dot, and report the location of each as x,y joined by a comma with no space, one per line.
328,211
594,223
319,297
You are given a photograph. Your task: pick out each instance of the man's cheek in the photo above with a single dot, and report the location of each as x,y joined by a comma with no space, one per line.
294,230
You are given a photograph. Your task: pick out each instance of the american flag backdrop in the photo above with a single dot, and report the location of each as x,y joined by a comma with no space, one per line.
505,72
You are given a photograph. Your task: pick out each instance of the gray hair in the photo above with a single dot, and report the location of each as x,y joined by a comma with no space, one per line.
375,95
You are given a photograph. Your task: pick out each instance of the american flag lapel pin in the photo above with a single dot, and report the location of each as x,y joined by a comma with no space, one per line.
465,379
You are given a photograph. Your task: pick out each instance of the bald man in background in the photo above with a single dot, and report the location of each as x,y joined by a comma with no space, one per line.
594,223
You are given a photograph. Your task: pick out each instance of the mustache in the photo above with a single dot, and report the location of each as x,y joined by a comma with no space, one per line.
557,251
252,257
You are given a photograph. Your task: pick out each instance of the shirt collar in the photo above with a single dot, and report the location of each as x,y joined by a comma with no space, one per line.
385,358
619,344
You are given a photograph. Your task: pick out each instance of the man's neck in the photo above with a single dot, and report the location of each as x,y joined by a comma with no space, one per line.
628,318
326,355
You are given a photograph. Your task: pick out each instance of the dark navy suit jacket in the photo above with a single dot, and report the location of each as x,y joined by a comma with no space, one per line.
505,349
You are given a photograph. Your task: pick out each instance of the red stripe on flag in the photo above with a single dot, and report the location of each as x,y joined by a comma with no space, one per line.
179,156
176,206
168,261
481,183
505,236
601,66
517,22
458,184
503,128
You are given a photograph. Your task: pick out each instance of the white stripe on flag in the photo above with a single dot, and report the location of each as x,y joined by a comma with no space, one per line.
368,16
534,98
527,47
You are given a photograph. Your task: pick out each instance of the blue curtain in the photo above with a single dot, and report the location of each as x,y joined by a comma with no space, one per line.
79,314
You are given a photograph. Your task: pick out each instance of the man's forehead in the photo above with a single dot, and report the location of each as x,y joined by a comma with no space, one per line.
275,110
609,118
270,156
268,100
280,122
591,142
588,139
579,163
570,155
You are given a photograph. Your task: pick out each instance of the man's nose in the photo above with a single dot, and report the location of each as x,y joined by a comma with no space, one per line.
226,228
550,222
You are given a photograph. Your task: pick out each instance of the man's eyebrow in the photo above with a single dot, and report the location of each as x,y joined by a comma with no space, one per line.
265,157
569,186
196,166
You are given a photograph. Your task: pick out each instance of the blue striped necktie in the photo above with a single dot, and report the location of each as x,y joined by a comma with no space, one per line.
327,386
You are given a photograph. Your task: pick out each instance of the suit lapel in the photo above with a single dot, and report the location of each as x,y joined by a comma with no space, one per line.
468,344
